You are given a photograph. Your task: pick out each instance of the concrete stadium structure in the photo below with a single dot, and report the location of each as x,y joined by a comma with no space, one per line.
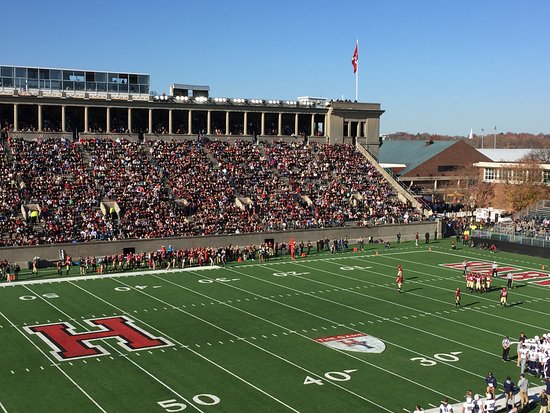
37,101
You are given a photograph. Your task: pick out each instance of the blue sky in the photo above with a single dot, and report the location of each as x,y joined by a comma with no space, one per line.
435,66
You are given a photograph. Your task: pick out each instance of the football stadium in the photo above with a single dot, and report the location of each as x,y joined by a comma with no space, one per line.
173,252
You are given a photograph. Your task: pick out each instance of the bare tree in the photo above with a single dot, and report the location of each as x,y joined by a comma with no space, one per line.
541,155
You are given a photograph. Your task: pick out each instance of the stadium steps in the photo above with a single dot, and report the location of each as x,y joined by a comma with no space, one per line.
403,193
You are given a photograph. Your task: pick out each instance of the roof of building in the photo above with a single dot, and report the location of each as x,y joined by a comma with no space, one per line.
411,153
505,155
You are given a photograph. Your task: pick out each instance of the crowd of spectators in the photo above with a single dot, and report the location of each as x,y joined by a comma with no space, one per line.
532,226
184,188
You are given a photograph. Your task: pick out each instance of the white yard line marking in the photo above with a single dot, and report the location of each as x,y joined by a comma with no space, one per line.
121,354
302,335
256,345
3,408
104,276
120,310
479,296
56,365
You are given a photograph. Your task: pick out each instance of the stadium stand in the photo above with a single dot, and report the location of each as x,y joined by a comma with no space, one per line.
59,191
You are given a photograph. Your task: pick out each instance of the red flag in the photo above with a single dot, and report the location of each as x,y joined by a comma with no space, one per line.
355,58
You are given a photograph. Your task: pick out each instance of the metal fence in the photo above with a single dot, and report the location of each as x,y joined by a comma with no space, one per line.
543,242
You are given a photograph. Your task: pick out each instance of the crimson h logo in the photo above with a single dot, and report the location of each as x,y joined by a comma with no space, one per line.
69,345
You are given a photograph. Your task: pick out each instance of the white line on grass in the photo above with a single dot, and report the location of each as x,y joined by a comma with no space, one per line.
248,342
492,301
55,365
299,334
409,293
121,354
188,348
103,276
3,408
439,267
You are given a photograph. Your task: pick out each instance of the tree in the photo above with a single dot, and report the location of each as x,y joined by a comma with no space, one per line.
541,155
523,185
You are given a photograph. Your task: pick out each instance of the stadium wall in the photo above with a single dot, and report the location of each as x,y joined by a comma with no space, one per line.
532,250
50,252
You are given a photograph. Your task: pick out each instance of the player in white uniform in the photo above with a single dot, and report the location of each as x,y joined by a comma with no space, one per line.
468,405
489,404
445,407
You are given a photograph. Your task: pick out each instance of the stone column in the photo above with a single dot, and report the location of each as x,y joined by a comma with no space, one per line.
170,121
325,126
349,129
296,124
189,122
63,123
39,118
208,116
245,123
108,120
280,125
227,123
15,118
358,133
150,121
85,119
262,124
130,120
312,131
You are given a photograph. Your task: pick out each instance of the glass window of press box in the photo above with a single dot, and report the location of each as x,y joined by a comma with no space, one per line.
73,80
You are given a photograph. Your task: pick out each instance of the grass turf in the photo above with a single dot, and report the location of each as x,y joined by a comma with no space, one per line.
244,336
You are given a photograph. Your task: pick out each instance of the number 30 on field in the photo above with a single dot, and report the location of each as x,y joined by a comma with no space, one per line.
445,357
173,406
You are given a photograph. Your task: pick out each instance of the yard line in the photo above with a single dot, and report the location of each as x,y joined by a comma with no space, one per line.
416,295
120,353
54,364
421,312
253,344
299,334
443,288
352,308
3,408
457,271
104,276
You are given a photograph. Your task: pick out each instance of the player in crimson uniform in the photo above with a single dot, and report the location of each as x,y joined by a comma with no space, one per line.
503,297
457,297
399,279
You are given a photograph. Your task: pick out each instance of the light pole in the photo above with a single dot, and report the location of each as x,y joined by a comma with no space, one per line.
495,137
482,131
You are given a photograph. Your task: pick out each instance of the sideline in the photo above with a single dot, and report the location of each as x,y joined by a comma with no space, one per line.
533,394
108,275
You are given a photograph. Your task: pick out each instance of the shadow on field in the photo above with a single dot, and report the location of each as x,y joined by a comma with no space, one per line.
413,289
470,304
412,278
514,304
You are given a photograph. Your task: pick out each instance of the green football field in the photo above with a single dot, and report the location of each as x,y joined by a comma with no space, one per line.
322,333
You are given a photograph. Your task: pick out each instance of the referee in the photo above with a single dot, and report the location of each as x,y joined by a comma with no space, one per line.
505,348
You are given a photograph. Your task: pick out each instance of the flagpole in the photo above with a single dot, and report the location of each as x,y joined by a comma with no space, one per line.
357,76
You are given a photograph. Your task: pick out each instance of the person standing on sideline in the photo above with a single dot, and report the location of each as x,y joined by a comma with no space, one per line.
427,237
399,279
416,238
465,268
457,297
505,348
491,382
503,297
399,238
489,405
444,407
418,409
435,234
509,392
509,279
523,385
